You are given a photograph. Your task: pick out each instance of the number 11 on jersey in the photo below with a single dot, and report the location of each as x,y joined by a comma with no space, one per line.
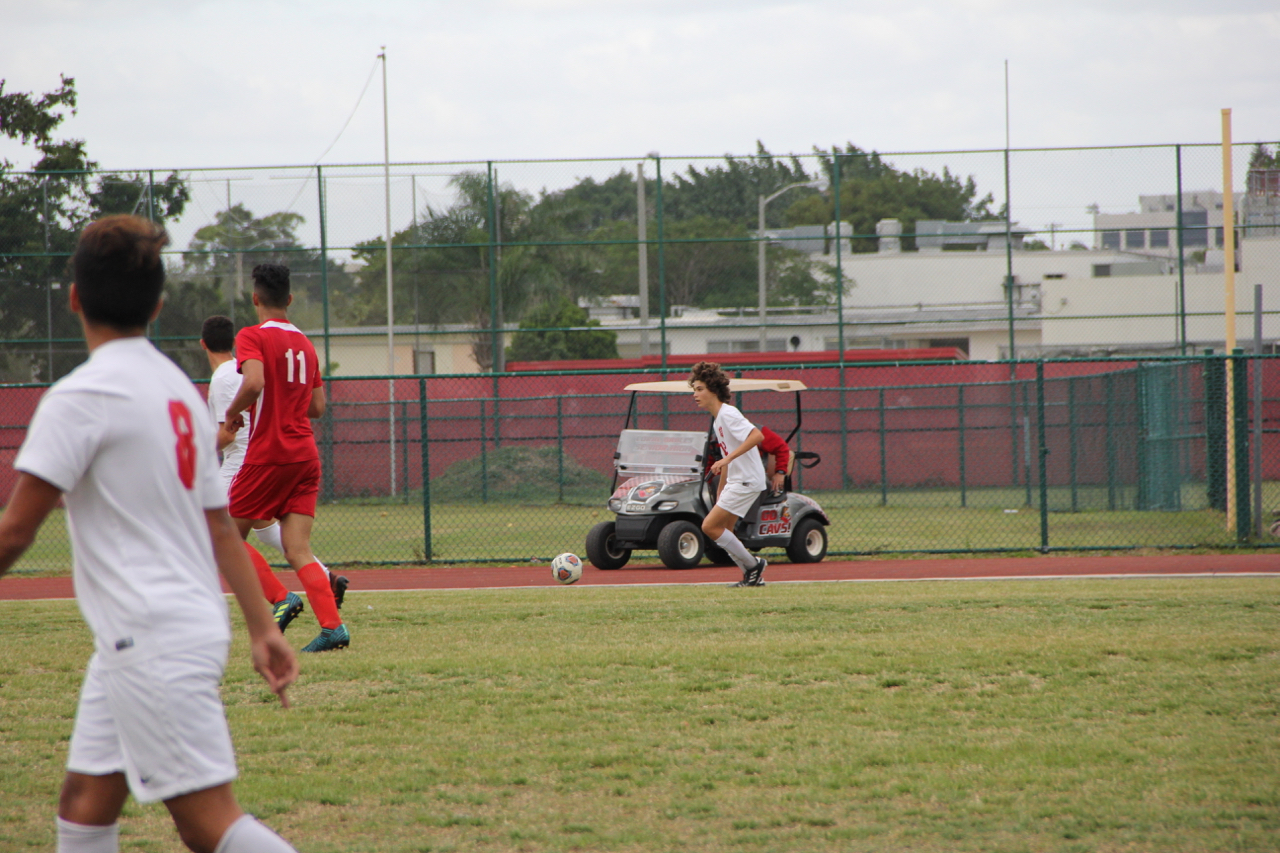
302,365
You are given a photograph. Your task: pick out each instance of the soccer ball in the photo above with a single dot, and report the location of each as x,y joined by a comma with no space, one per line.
566,568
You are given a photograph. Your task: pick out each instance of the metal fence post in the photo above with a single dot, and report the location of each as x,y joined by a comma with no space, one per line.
424,440
1215,431
1013,423
560,445
1240,423
884,466
326,442
1108,388
404,442
1042,467
1026,442
1257,410
964,496
484,457
1071,444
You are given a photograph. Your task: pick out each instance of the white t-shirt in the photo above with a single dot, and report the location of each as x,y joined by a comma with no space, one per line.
731,430
223,386
123,437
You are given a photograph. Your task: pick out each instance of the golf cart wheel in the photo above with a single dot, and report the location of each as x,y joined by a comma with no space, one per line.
602,547
680,545
717,555
808,542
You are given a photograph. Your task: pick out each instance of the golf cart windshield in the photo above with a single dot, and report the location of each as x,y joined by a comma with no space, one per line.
653,451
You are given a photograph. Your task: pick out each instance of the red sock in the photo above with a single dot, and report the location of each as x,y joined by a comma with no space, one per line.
316,582
271,586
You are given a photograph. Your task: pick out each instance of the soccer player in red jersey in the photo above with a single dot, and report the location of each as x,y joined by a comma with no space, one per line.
777,458
280,477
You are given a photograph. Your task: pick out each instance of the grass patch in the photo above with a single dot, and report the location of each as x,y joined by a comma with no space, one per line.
1018,716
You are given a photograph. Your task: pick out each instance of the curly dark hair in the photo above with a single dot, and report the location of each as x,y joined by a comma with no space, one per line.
271,283
710,374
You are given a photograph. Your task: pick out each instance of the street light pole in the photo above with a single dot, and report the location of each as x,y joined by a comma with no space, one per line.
762,301
391,311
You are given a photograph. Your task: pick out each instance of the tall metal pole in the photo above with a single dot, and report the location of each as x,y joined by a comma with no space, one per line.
1229,310
662,269
1257,409
1182,275
391,308
1008,228
324,266
642,247
48,280
760,275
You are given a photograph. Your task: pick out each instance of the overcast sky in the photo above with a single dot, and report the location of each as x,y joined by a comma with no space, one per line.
169,84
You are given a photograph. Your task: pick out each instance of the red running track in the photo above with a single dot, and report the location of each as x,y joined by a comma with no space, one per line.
968,568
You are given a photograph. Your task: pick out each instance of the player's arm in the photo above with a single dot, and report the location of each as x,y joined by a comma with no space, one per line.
226,435
748,444
31,502
273,657
317,406
254,380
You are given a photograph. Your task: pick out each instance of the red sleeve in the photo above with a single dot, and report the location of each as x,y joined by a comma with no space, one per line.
773,444
248,347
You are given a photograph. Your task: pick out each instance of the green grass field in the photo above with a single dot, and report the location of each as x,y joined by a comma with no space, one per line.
912,522
1078,715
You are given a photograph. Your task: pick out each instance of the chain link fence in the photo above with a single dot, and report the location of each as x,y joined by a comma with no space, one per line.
514,288
956,457
526,265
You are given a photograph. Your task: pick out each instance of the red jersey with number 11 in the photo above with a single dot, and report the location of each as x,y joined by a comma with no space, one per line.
281,431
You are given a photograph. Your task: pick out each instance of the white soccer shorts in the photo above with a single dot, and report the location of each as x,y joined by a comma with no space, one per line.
737,498
161,723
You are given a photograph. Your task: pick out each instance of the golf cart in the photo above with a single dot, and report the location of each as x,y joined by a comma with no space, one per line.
667,489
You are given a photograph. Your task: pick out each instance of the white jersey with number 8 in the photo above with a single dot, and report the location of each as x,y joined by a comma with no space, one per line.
125,438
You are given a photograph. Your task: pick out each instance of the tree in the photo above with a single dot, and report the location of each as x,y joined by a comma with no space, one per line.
216,272
554,331
42,211
871,190
1262,157
448,268
731,192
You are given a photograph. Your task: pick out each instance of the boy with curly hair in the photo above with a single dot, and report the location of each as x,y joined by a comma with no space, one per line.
741,473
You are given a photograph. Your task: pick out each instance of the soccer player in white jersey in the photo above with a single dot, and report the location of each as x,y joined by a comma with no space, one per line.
741,472
123,441
217,339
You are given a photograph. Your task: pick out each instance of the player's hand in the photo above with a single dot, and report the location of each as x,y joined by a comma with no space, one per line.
234,424
718,466
778,480
275,661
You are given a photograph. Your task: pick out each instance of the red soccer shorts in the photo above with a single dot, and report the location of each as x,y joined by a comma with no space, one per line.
274,491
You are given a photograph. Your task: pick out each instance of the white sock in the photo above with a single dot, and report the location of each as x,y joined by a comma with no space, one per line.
271,536
80,838
738,552
246,835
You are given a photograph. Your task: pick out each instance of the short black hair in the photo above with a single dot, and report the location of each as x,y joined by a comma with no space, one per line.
271,283
218,333
710,374
119,275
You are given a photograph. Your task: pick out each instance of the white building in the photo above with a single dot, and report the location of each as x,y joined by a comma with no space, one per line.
1129,294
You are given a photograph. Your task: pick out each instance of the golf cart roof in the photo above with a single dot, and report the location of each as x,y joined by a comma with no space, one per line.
681,386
